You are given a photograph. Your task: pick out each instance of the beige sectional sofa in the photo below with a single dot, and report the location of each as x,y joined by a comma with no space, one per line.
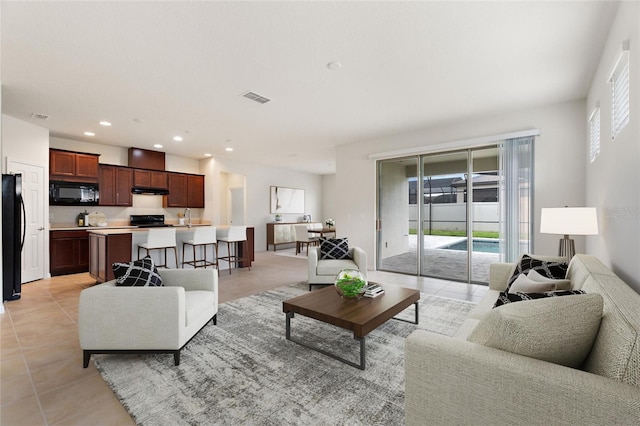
450,380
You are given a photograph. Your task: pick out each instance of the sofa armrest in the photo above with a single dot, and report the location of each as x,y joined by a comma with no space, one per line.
112,317
499,274
359,256
312,261
452,381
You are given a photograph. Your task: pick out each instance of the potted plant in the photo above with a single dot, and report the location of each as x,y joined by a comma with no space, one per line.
278,218
330,223
350,284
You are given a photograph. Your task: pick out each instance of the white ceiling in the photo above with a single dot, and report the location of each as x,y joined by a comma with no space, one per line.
181,69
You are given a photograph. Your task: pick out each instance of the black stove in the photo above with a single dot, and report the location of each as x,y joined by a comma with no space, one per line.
147,220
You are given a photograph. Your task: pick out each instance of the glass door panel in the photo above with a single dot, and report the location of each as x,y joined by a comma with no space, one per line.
486,212
444,216
397,215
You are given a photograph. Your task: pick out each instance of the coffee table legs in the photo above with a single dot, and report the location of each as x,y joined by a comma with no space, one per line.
363,353
410,322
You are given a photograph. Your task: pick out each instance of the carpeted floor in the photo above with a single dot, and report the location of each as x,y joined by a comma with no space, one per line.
244,371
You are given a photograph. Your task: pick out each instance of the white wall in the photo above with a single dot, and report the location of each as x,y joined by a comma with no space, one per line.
612,180
259,179
559,166
328,199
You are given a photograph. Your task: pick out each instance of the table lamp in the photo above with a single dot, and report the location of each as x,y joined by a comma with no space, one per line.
568,221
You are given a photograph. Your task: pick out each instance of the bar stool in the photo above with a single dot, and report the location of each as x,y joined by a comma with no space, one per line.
235,235
160,239
202,237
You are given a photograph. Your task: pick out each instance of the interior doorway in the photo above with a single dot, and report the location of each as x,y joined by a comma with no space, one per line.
233,198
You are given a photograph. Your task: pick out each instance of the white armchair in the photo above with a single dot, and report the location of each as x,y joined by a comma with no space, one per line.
324,271
147,319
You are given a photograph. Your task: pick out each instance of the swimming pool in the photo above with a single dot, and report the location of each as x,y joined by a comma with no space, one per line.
483,246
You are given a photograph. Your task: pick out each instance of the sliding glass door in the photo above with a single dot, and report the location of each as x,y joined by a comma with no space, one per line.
427,222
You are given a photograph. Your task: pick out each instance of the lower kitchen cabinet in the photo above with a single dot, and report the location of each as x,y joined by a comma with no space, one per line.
104,251
69,252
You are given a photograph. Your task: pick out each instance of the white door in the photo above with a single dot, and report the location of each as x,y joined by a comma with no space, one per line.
33,194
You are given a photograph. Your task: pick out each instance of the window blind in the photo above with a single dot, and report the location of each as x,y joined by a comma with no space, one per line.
619,81
594,134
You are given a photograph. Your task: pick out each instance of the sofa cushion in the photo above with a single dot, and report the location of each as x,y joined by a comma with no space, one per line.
505,297
139,273
549,269
333,267
334,248
523,284
556,329
196,302
563,284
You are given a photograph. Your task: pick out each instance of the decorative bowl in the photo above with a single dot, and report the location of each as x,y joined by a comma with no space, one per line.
350,284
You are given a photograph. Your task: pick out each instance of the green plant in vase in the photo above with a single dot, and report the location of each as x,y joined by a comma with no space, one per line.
350,284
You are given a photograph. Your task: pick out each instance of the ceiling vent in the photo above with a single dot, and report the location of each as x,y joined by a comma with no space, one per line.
256,97
39,116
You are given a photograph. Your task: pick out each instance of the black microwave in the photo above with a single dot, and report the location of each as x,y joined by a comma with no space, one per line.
73,194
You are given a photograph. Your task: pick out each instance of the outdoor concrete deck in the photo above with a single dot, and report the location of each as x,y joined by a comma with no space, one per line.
441,263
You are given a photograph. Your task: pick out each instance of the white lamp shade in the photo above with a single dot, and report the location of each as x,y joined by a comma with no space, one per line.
569,221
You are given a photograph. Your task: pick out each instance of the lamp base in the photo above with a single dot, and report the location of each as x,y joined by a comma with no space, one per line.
567,247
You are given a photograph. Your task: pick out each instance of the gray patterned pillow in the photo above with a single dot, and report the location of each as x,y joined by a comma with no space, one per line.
140,273
334,248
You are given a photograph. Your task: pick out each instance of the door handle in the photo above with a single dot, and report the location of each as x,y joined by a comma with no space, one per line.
41,229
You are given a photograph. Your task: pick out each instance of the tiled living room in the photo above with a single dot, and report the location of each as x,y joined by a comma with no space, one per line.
522,108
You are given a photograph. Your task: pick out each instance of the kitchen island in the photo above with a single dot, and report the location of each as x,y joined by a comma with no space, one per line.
107,246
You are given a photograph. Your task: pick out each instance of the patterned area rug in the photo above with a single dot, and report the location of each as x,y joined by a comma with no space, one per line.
244,371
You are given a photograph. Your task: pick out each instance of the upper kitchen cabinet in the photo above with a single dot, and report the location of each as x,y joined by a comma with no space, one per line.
185,190
195,188
149,179
115,185
146,159
73,166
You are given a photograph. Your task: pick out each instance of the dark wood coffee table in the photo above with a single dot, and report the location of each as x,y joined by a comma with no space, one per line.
361,317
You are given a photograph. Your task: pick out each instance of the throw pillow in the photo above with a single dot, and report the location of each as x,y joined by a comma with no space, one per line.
560,284
523,284
555,270
505,297
334,248
559,330
140,273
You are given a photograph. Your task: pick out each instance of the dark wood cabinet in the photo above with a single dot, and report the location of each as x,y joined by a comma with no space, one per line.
178,195
104,251
195,188
73,166
185,190
149,178
115,185
146,159
69,252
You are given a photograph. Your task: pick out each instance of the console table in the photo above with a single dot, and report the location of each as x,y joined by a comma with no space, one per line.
282,233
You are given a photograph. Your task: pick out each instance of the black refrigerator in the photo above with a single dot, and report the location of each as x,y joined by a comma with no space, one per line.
13,215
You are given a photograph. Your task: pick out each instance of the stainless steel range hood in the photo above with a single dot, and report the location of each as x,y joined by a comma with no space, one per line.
142,190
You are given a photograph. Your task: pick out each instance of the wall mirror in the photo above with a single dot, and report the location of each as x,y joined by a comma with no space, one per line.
287,200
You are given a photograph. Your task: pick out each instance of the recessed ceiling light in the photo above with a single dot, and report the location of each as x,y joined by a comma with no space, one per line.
105,123
157,145
207,154
334,65
228,149
177,138
89,134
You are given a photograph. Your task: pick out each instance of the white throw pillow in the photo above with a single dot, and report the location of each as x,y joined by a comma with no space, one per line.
560,284
555,329
523,284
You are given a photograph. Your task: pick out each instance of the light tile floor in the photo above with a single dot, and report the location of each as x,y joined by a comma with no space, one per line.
42,381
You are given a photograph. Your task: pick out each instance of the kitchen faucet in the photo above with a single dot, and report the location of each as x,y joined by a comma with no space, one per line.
187,215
